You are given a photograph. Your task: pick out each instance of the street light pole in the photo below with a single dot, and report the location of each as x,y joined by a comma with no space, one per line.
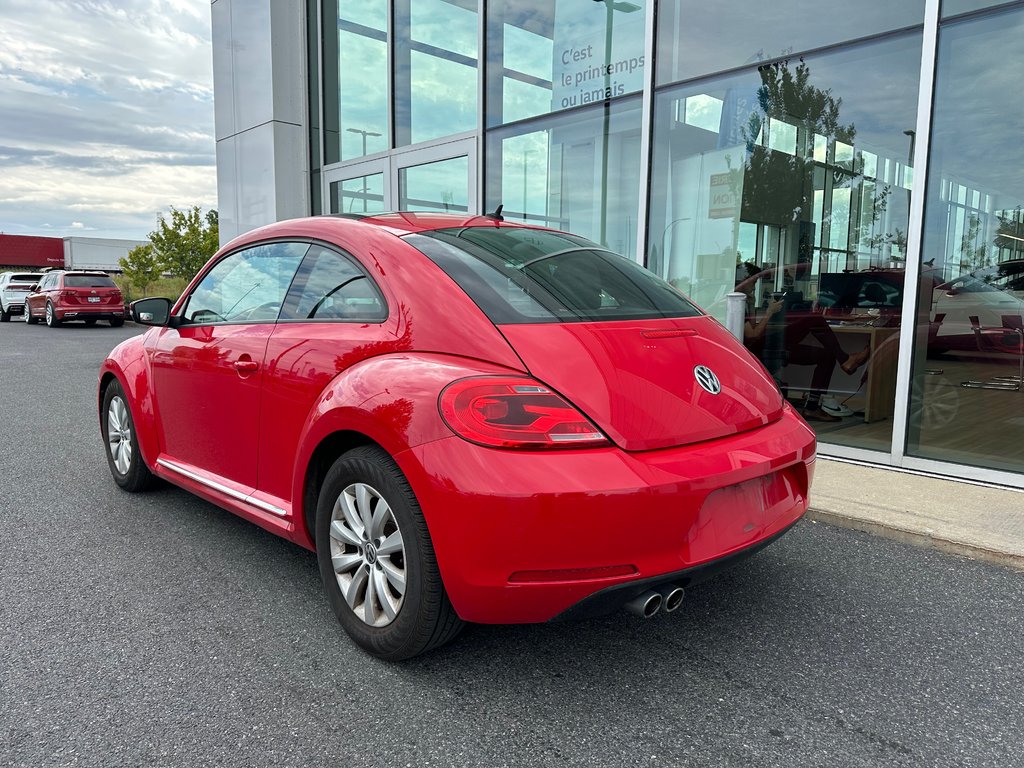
610,6
526,153
364,134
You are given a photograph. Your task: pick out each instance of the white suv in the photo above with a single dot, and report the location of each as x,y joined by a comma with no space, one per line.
14,287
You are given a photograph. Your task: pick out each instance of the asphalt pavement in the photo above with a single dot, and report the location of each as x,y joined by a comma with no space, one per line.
159,630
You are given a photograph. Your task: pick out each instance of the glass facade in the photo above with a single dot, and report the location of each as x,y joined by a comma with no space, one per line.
697,38
435,69
966,404
791,183
544,56
873,233
578,172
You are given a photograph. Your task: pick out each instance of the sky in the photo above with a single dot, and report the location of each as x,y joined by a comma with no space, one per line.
106,115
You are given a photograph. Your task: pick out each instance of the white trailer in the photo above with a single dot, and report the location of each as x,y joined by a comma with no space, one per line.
97,253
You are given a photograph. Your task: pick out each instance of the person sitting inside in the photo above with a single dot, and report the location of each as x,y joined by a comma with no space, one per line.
796,333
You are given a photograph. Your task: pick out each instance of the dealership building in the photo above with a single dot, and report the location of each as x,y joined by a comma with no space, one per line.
855,170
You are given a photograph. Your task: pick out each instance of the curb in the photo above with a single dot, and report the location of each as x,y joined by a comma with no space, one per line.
919,539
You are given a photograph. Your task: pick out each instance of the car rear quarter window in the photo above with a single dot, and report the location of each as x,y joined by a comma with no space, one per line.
519,275
331,286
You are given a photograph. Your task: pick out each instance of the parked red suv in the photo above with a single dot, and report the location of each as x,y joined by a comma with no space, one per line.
65,295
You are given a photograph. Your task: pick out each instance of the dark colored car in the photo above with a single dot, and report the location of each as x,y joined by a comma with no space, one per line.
467,420
62,296
14,287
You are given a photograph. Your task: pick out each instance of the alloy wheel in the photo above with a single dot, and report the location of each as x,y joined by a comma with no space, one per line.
119,435
368,554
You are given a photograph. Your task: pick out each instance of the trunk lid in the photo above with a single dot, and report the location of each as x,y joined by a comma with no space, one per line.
636,379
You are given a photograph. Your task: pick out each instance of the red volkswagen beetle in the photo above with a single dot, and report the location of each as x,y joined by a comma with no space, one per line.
466,419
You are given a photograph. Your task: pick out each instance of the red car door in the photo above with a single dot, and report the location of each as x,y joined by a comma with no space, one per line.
207,371
334,316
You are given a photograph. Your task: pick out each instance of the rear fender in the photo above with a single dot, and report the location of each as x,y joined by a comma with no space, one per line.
392,401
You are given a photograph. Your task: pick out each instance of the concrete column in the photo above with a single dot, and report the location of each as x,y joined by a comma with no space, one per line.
260,112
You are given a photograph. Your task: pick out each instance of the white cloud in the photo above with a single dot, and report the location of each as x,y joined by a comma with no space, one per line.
108,113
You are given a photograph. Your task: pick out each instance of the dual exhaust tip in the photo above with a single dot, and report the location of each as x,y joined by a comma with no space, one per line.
667,598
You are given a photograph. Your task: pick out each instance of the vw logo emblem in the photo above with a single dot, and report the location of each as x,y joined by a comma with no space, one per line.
707,379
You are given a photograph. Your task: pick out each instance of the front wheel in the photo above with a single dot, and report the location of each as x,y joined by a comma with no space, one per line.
116,322
126,464
28,316
377,561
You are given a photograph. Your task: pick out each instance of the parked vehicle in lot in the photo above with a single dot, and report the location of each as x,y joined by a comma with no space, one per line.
466,419
14,286
62,296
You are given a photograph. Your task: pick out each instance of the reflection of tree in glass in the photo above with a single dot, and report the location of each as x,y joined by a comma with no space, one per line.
974,251
779,185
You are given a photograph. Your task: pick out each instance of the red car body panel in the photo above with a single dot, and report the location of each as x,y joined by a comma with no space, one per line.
690,480
627,377
659,511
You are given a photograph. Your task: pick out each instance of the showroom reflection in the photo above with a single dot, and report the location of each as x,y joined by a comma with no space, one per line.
791,185
967,396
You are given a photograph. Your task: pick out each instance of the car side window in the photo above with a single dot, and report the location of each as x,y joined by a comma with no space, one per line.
247,286
331,286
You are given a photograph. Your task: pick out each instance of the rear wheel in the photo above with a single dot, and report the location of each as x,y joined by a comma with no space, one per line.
126,464
5,315
51,316
377,561
116,322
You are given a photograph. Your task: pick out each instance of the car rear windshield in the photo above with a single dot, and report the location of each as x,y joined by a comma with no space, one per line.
30,279
88,281
519,275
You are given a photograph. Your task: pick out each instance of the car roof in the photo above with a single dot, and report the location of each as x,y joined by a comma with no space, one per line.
397,223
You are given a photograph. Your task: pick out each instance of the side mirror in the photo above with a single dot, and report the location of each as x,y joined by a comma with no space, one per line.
34,287
155,311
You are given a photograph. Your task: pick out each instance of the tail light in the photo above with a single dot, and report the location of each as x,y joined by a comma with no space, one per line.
515,412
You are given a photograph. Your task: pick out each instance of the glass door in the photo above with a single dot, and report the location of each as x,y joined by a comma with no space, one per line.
441,177
358,187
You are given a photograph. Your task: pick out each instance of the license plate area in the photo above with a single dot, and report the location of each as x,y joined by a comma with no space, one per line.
94,299
738,515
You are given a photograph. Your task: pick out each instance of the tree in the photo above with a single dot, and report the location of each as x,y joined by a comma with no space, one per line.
141,267
184,244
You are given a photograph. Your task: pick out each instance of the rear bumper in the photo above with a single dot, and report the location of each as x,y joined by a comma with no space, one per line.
505,523
85,312
14,303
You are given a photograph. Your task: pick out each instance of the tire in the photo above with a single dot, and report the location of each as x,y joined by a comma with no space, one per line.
116,322
119,438
28,316
52,321
402,609
90,321
5,315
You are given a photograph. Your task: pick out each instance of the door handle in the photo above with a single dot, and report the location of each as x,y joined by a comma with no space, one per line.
246,365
